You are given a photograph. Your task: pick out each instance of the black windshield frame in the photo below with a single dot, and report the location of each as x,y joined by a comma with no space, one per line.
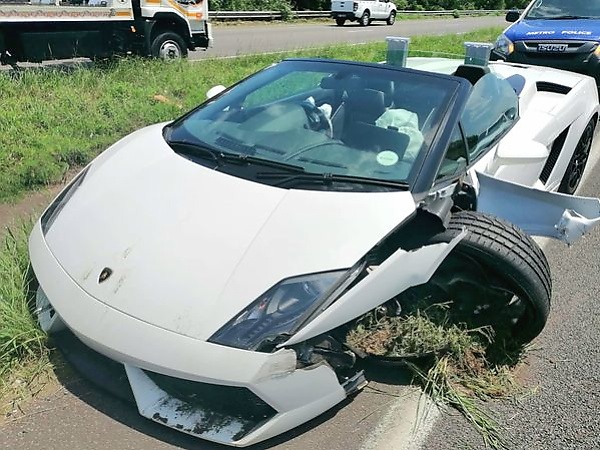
422,175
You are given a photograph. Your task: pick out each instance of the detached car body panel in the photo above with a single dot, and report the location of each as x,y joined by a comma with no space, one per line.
218,258
554,33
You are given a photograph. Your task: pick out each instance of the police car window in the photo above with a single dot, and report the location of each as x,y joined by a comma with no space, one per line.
558,9
492,110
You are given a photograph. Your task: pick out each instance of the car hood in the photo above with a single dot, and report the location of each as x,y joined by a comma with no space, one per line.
566,30
190,247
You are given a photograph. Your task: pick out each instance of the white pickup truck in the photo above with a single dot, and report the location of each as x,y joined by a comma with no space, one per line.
37,30
363,11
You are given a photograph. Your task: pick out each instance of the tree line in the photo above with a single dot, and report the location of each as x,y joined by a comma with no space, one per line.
325,5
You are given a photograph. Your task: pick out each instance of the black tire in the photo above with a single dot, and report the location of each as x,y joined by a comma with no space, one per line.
576,167
391,20
168,46
365,19
496,261
340,22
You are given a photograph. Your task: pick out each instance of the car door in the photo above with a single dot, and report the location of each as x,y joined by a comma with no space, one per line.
384,9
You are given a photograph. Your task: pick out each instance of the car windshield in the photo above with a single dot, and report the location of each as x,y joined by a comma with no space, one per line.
562,9
320,118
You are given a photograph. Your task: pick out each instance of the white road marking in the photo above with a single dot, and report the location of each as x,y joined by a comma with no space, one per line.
405,425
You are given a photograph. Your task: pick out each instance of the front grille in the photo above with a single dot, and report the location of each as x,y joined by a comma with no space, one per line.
221,408
222,405
557,147
553,56
546,86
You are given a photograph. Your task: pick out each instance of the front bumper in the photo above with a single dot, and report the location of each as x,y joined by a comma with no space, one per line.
581,60
294,395
343,15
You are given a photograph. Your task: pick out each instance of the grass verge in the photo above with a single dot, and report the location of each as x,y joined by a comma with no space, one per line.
56,118
23,350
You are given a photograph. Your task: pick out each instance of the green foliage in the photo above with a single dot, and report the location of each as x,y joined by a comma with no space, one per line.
287,6
20,338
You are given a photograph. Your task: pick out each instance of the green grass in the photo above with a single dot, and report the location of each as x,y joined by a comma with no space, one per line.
21,341
54,119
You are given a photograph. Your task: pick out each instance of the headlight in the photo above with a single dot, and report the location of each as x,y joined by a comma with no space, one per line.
59,203
504,45
281,309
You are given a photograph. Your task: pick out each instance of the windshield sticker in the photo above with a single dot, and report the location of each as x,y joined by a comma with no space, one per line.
387,158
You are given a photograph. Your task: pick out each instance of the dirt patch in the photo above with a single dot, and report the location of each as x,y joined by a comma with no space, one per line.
32,204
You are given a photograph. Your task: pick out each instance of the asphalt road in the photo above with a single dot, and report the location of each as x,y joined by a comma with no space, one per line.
561,407
238,40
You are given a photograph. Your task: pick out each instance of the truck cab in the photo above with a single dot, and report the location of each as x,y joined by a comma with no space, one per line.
54,29
363,12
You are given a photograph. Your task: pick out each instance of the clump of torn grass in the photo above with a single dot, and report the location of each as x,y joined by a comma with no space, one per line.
456,366
23,351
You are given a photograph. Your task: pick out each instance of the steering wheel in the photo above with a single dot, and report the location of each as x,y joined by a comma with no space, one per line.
317,119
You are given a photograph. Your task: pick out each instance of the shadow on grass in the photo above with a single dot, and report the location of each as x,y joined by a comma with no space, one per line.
61,66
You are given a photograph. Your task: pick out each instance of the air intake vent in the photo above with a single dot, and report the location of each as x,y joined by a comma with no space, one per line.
545,86
557,147
234,145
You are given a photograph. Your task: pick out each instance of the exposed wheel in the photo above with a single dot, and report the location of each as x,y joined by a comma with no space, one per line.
574,172
496,276
365,19
168,46
340,22
391,20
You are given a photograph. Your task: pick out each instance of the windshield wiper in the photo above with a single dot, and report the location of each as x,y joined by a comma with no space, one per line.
566,17
253,160
205,150
199,149
328,178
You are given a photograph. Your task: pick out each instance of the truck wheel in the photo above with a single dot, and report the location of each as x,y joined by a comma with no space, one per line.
365,19
168,46
392,18
496,276
340,22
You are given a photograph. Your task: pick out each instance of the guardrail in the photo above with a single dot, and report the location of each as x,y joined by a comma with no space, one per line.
275,15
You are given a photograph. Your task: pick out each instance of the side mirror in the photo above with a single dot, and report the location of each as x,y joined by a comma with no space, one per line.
524,150
215,90
512,16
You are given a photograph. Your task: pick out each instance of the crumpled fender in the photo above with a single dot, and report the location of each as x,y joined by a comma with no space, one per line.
403,270
538,213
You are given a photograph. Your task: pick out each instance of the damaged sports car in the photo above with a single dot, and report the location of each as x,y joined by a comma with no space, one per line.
218,260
